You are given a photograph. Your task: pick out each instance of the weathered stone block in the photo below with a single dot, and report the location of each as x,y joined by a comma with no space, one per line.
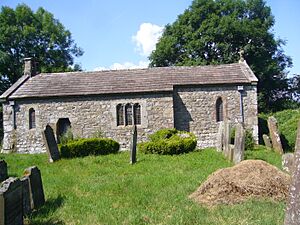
288,162
37,197
26,195
220,137
292,215
11,210
239,143
51,145
3,170
133,146
226,140
274,134
267,141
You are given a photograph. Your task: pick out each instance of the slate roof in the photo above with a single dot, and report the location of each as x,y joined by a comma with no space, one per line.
127,81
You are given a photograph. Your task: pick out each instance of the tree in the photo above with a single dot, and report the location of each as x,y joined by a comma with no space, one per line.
24,33
214,31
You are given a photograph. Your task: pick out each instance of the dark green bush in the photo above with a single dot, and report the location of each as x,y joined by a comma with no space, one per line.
169,142
162,134
89,146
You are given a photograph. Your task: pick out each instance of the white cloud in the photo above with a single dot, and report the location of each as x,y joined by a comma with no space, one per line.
126,65
147,37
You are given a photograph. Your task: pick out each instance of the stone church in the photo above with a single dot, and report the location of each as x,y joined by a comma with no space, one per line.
193,99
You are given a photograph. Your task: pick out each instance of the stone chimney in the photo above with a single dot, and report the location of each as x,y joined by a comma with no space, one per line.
29,67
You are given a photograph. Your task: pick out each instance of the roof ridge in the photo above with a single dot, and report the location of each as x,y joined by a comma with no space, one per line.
140,69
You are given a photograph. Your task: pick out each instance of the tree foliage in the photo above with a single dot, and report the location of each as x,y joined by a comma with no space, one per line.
24,33
214,31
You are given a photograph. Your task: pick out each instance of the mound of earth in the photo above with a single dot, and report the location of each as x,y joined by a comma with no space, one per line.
248,179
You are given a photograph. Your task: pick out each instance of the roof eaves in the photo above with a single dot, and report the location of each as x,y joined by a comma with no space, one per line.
248,72
13,88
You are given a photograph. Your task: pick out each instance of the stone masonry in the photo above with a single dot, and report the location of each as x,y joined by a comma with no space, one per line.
194,111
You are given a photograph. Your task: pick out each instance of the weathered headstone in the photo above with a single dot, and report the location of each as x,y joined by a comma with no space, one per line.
11,210
274,135
292,215
267,141
220,137
26,195
133,146
51,145
239,143
3,170
226,139
288,162
37,197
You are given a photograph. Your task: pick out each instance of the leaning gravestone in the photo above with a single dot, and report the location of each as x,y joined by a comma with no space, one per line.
220,137
51,145
11,210
3,170
267,141
26,195
239,143
274,134
37,197
292,215
133,146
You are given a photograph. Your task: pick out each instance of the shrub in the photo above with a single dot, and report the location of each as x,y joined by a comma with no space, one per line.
249,141
89,146
169,142
162,134
66,137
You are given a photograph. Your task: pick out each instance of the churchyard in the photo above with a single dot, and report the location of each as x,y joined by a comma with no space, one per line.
112,189
108,190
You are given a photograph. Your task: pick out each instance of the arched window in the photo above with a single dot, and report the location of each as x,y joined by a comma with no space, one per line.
120,115
219,110
137,114
31,118
128,114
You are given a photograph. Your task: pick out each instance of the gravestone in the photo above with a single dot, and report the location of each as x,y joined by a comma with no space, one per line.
11,210
37,197
3,170
239,143
133,146
220,137
226,139
274,135
26,195
288,162
51,145
292,215
267,141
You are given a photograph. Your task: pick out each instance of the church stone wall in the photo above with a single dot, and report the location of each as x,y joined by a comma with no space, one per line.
87,115
187,108
195,110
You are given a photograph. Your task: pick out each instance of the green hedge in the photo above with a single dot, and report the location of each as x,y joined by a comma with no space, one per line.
89,146
169,142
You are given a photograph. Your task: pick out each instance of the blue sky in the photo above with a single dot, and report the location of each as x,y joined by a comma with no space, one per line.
118,34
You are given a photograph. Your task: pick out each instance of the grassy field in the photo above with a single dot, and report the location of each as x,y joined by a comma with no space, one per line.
108,190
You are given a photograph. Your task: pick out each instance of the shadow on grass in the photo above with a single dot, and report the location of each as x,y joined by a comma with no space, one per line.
44,214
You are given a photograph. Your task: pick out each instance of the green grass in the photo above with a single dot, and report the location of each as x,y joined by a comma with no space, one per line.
287,125
108,190
261,152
